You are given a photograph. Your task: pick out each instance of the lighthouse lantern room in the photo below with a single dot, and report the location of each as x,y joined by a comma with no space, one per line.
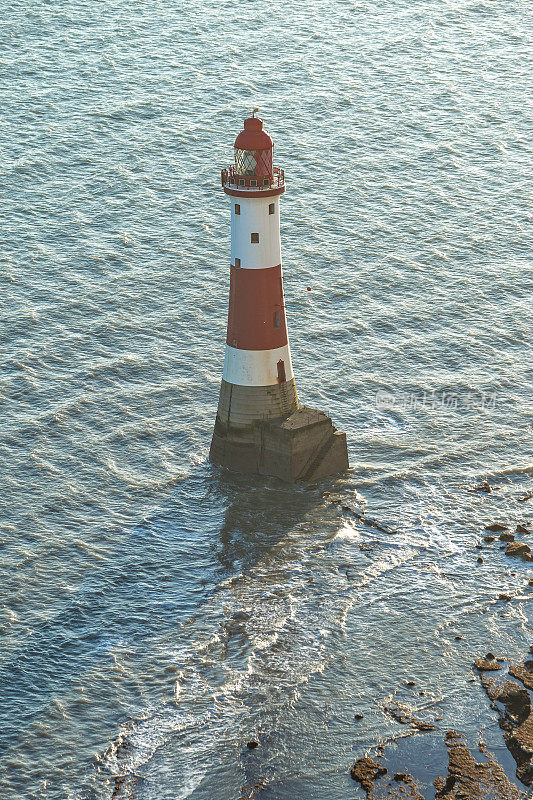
260,426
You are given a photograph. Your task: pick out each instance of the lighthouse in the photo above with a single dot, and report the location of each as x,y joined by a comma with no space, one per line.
260,425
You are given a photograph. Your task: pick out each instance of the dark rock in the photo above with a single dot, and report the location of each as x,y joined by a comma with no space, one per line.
358,716
516,720
252,744
516,701
530,582
524,497
479,547
524,673
488,538
495,527
401,776
480,560
458,638
410,683
504,597
519,550
522,529
490,656
507,537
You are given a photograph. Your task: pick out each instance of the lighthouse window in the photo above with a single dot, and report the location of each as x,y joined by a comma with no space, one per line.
254,238
237,208
245,162
271,208
253,182
277,319
241,181
237,262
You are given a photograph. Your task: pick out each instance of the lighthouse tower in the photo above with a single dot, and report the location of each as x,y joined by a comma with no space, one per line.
260,425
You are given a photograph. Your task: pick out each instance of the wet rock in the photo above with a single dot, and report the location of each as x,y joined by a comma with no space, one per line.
507,537
401,776
405,717
524,673
480,560
410,683
519,550
358,716
487,664
522,529
490,656
252,744
530,582
488,538
516,701
516,718
458,638
124,787
483,487
468,779
504,597
496,527
524,497
365,771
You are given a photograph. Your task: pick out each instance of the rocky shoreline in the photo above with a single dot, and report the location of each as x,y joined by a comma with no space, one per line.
466,777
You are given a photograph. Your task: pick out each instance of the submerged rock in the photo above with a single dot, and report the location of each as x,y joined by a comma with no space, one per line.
484,487
522,529
405,717
524,497
495,527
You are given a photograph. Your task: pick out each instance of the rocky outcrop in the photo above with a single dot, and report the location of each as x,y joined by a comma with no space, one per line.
487,664
365,771
465,778
469,779
513,704
519,550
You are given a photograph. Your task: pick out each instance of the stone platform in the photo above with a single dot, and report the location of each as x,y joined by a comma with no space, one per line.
304,446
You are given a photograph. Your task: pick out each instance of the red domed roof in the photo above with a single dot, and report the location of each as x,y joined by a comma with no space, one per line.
253,137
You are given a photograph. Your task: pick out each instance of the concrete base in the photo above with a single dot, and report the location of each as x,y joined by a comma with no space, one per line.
304,446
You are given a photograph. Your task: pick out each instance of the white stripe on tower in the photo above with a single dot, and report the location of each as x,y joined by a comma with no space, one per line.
256,367
255,217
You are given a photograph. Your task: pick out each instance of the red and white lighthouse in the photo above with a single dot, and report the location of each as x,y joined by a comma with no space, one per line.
258,401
